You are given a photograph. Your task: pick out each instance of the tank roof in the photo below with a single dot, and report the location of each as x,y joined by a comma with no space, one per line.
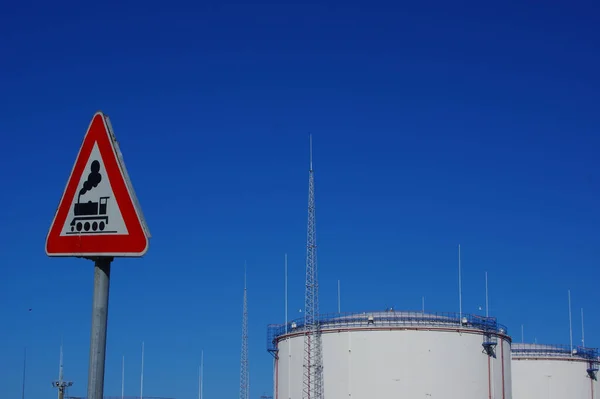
560,351
388,318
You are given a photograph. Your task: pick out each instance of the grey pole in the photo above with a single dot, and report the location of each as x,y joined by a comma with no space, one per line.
99,324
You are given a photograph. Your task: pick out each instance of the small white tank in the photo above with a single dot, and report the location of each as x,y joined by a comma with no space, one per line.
395,354
554,371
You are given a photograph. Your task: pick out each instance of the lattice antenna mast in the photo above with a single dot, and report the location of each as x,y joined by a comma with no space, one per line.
61,384
244,377
313,363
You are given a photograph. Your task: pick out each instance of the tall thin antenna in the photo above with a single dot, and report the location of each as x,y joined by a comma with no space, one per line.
60,364
570,324
286,294
522,334
582,330
244,376
459,287
61,384
201,376
313,360
423,304
142,374
339,299
123,377
487,312
24,371
310,144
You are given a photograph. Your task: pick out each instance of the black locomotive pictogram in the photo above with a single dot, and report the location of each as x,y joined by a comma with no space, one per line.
90,215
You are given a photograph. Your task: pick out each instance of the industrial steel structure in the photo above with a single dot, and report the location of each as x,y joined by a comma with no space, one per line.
554,371
398,354
312,366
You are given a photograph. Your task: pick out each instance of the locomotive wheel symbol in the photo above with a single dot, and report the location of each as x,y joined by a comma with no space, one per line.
72,228
79,226
95,226
86,226
101,226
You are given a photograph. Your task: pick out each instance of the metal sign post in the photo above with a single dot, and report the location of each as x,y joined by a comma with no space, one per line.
99,327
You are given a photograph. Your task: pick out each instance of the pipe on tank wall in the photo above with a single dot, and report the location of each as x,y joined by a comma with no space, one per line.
502,360
277,377
489,378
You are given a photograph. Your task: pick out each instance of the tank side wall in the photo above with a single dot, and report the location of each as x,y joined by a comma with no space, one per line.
537,379
397,363
290,372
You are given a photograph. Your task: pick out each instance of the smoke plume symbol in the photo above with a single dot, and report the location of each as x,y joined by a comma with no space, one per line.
94,178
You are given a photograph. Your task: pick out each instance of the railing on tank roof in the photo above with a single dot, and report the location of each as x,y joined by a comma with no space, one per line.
119,397
554,351
388,318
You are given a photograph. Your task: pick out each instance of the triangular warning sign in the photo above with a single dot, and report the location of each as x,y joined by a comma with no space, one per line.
98,214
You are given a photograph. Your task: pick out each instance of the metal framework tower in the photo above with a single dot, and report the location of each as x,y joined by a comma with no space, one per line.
313,359
61,384
244,377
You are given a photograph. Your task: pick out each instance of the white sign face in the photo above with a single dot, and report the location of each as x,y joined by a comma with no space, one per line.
94,210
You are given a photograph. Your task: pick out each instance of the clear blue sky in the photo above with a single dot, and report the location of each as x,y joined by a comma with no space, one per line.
433,125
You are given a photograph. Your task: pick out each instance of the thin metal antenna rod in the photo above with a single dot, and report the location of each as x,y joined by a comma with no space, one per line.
459,287
25,356
339,299
244,372
60,364
123,377
522,334
423,304
201,377
142,374
570,324
487,313
286,294
24,370
311,151
61,384
582,330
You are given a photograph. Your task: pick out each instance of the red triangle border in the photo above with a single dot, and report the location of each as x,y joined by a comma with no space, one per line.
133,244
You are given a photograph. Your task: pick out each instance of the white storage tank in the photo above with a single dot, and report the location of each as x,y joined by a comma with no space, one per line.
554,371
396,354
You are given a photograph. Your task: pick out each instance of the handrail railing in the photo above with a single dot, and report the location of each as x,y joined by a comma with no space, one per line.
391,318
118,397
519,349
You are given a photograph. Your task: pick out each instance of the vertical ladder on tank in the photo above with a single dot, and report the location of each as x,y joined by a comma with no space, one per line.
490,338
